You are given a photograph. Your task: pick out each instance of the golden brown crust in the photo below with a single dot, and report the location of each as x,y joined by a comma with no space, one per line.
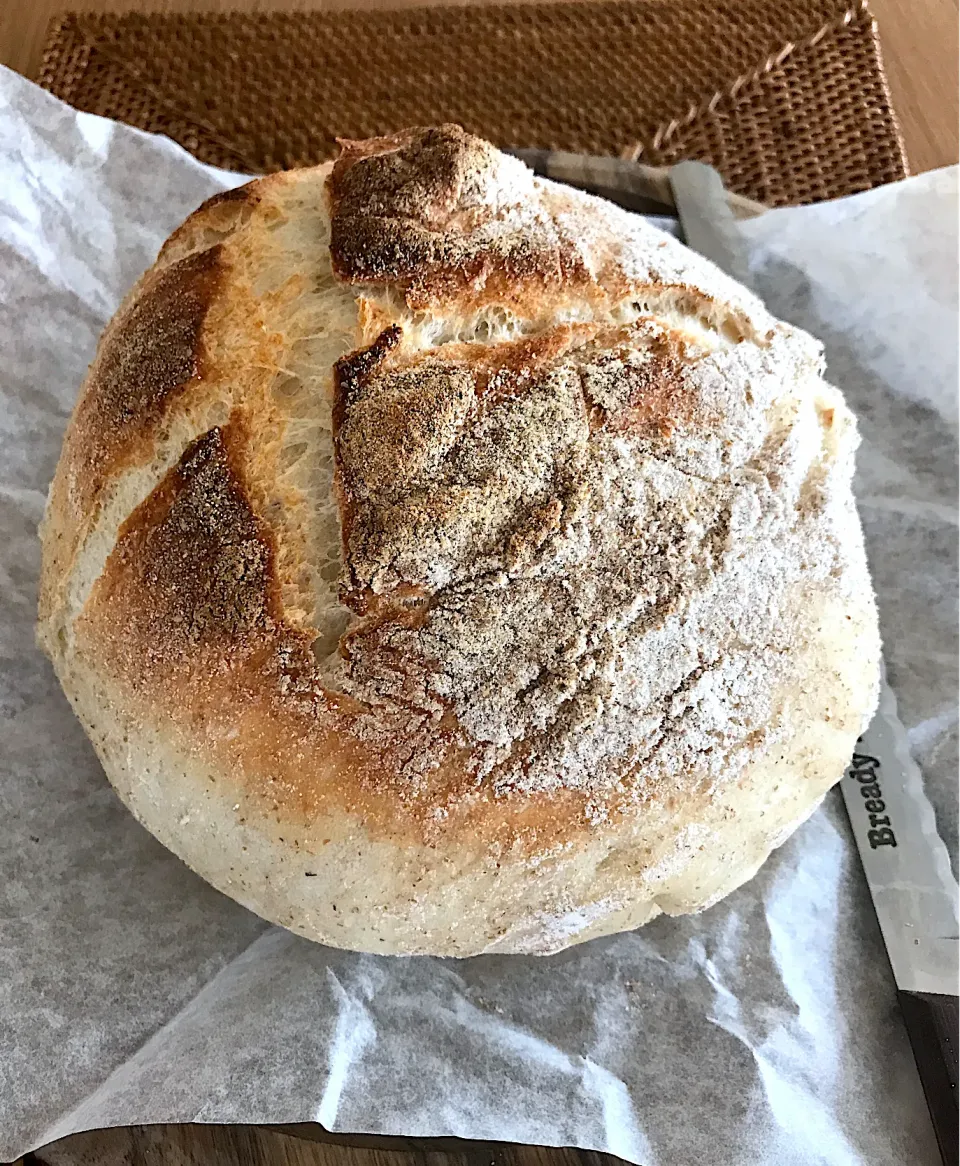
148,359
246,195
197,561
430,211
149,356
598,540
186,616
217,216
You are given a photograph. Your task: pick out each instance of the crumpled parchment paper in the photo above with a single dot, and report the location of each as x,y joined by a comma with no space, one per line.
763,1031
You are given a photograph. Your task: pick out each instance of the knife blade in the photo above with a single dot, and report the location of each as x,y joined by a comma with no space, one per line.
904,859
915,896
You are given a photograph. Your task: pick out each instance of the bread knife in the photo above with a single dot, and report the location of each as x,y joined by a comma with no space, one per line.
904,858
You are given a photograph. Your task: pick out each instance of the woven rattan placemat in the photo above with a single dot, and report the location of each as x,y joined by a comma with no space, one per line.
787,98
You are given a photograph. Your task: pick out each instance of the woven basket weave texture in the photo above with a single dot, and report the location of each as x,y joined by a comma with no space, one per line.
788,99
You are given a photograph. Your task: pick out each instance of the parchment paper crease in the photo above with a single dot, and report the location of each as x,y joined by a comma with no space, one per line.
764,1031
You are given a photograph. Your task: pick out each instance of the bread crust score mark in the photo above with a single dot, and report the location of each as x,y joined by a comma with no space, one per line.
602,634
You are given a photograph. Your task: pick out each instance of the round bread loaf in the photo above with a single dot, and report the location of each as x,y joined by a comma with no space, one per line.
445,561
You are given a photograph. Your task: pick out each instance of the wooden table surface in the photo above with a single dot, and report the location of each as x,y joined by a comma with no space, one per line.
919,40
195,1145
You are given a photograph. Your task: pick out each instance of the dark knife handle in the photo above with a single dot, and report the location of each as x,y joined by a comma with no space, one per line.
932,1023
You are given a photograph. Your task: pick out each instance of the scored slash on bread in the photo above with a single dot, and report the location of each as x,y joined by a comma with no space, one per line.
445,561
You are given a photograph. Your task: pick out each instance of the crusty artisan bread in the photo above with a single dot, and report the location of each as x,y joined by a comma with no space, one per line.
445,561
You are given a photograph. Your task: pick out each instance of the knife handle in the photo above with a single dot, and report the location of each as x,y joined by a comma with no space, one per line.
931,1022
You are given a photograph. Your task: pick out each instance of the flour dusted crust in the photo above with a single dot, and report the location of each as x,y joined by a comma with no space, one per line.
445,561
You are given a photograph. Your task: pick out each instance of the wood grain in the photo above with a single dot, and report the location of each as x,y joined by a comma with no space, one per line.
919,44
919,39
209,1145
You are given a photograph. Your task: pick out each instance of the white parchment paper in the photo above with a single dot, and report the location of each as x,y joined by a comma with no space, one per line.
764,1031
